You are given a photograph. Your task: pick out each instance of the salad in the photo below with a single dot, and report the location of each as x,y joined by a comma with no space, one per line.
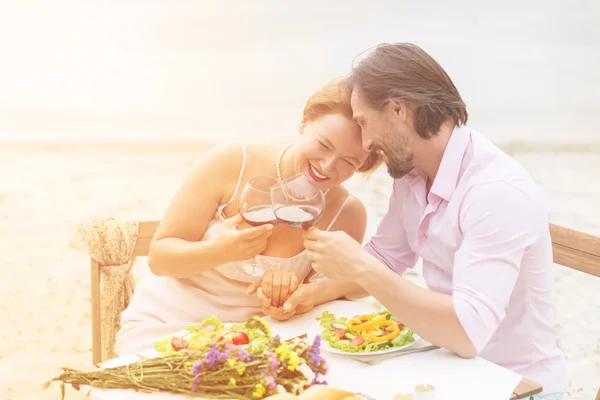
252,335
364,333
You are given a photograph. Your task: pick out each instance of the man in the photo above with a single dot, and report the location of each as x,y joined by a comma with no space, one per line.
467,209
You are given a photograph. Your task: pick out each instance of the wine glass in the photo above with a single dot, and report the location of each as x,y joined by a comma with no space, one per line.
299,204
256,209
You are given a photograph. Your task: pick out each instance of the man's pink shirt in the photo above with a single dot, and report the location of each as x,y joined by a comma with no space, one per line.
482,232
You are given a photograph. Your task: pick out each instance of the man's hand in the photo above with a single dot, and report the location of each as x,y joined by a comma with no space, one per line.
276,287
335,254
299,302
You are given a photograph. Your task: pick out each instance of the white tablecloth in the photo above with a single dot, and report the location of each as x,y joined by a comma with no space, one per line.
455,378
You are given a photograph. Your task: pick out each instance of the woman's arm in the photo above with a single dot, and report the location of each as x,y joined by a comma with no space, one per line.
176,249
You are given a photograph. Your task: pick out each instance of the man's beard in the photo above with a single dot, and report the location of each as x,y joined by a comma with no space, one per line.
397,152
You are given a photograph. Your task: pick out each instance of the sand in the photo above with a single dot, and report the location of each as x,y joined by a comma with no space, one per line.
45,290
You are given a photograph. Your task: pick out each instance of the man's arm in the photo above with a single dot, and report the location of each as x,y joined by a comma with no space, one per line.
498,222
390,243
353,221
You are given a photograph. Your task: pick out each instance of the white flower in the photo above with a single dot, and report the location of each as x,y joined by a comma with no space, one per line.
306,372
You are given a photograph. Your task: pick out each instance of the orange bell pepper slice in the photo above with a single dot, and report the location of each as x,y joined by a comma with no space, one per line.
373,322
391,335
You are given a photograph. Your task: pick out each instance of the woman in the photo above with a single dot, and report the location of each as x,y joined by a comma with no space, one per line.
201,243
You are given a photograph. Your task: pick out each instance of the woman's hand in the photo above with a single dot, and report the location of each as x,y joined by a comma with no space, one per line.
242,244
299,302
275,287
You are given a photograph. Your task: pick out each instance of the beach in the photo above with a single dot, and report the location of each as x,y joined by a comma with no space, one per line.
45,290
105,105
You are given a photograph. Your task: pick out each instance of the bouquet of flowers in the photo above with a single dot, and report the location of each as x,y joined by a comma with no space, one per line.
220,370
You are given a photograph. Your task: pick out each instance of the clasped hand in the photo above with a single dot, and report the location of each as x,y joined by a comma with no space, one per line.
282,295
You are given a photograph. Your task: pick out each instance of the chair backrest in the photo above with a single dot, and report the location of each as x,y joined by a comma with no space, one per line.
577,250
146,231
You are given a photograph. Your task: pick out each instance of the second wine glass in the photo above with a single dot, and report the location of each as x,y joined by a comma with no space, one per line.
298,204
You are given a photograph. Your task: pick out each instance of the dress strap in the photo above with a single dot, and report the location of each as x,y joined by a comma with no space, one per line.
239,181
339,211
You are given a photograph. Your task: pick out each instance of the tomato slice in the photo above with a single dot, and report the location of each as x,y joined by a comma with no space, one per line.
240,338
178,343
357,341
340,333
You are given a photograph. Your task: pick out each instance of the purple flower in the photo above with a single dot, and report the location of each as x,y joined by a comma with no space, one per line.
243,355
316,346
195,383
315,359
316,382
197,368
314,353
230,347
214,355
270,383
325,366
273,362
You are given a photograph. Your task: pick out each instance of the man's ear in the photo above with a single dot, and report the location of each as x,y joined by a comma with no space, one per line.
398,109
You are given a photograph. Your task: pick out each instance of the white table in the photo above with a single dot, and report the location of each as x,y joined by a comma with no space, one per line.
455,378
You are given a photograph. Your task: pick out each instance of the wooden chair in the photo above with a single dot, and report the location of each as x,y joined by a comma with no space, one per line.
571,248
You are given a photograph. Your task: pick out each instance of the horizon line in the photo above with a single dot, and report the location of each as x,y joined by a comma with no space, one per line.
510,146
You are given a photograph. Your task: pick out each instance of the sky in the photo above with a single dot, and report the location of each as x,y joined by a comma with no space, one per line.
205,70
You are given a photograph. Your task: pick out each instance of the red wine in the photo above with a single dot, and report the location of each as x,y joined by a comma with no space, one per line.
259,215
297,216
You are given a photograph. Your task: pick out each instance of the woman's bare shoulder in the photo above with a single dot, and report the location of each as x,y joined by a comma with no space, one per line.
355,210
353,218
220,163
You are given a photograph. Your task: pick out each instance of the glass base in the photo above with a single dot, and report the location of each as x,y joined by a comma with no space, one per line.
253,269
316,278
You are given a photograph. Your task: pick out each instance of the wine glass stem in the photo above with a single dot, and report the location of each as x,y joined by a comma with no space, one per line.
254,264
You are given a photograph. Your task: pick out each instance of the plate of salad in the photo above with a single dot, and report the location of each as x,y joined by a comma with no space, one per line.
252,335
367,334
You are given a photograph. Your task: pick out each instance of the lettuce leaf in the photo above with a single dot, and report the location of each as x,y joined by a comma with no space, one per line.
212,320
327,319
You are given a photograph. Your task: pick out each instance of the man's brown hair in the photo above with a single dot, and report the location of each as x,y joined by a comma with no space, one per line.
406,72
